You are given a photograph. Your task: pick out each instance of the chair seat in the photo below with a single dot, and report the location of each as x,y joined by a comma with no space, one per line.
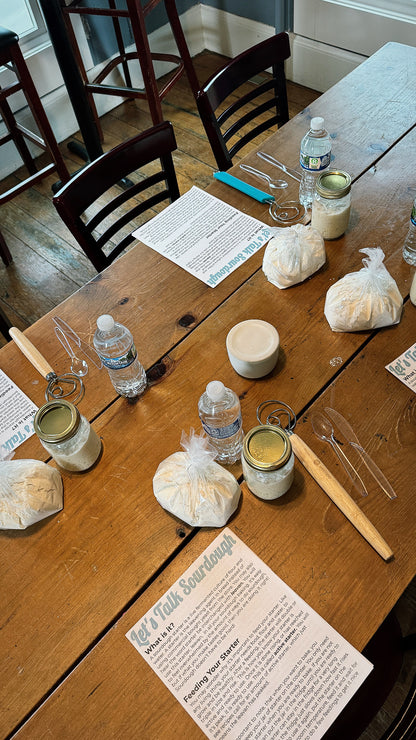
7,37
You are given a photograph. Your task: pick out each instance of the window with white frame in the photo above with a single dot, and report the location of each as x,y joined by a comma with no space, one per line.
404,10
25,18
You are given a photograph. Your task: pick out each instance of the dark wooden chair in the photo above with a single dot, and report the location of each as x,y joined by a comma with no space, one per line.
385,651
235,105
100,203
5,325
135,12
403,725
11,57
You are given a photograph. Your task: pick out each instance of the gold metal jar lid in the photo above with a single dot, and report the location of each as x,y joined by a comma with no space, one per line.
267,447
333,184
56,421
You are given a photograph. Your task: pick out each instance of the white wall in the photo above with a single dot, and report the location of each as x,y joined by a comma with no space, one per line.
331,37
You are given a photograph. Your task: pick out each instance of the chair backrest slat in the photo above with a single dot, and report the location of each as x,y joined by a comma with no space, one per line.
236,105
127,193
128,217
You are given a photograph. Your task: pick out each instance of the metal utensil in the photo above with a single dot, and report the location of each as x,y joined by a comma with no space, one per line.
59,386
271,181
290,211
349,434
78,366
283,414
325,431
275,162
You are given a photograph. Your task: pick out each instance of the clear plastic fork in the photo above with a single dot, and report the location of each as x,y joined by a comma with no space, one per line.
325,431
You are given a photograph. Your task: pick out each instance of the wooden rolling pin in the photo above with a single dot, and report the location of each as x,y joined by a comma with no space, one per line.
33,355
339,496
67,385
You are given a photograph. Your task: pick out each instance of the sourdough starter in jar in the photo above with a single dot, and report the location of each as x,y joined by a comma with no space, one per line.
67,435
331,205
268,461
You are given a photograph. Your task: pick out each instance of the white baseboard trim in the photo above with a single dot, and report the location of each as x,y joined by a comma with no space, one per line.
317,65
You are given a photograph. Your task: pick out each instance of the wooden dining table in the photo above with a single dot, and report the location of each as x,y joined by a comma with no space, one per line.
73,584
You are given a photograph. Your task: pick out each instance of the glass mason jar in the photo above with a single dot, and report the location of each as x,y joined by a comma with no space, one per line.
413,289
332,203
67,435
268,461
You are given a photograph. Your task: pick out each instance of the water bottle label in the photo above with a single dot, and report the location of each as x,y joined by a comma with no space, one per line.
315,164
222,432
413,215
117,363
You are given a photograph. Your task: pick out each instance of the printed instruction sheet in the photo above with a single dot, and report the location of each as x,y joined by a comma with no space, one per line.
16,414
404,367
204,235
243,654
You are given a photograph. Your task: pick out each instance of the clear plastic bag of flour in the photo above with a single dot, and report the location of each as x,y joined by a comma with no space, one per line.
193,487
363,300
30,491
293,254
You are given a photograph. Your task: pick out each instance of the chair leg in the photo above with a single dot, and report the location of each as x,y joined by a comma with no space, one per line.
4,251
5,325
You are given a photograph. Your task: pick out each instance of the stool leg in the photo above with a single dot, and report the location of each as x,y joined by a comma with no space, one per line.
17,136
83,72
38,113
179,35
121,47
145,59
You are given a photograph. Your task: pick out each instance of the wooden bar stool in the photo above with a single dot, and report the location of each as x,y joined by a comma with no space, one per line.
12,58
136,13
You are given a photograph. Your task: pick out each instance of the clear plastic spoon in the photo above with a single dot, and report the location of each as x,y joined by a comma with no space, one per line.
349,434
271,181
325,431
83,347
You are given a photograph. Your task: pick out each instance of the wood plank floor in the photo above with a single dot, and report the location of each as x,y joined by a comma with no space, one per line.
48,265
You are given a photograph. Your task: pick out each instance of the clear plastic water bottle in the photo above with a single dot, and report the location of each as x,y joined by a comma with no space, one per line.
315,156
220,414
409,246
115,346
